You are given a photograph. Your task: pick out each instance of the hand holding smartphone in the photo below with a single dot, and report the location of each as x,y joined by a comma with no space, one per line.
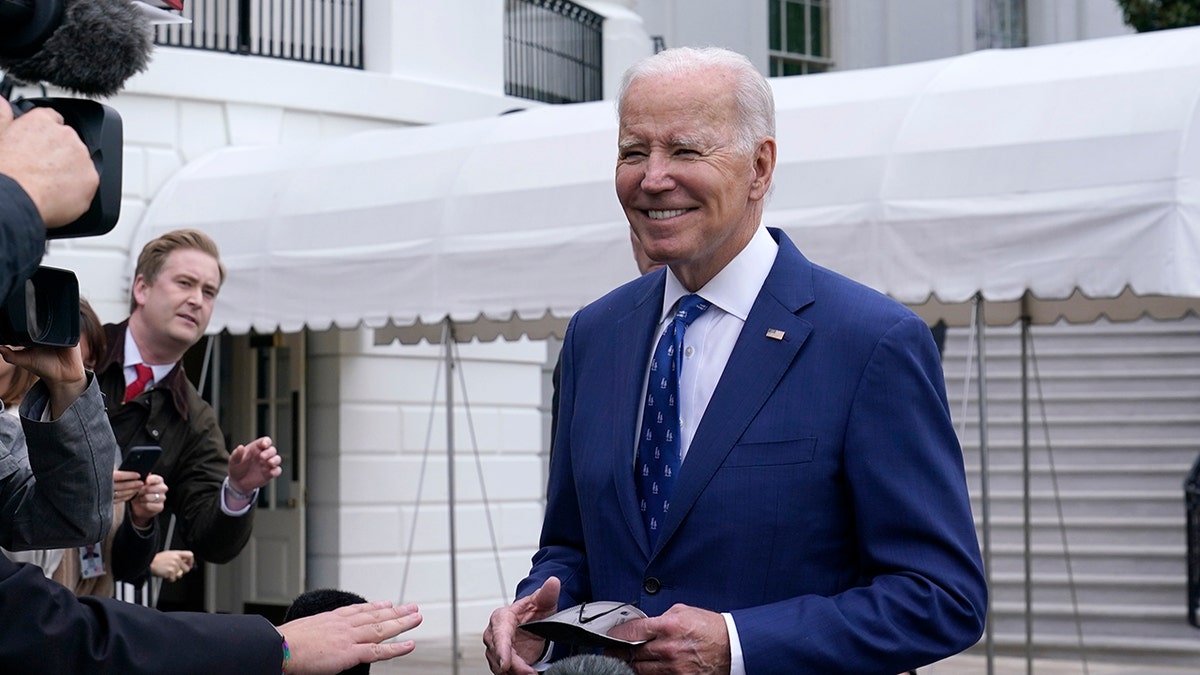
141,459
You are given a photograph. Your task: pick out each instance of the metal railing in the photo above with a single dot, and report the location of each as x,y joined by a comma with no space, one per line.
553,51
328,32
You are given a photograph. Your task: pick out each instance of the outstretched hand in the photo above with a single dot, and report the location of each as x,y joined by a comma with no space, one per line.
253,465
510,650
334,641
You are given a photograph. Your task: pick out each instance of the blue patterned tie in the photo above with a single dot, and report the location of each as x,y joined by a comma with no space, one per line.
659,443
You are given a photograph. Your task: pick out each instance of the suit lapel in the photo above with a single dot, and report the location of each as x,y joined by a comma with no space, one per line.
630,354
756,365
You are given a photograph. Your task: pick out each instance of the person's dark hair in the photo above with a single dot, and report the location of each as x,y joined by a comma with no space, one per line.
320,600
91,334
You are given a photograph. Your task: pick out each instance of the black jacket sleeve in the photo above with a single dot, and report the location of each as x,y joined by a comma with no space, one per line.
22,235
133,551
55,632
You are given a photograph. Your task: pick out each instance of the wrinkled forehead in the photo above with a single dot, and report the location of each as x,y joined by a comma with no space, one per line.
193,263
677,107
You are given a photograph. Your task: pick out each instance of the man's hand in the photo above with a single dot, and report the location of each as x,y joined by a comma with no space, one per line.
683,640
334,641
61,368
47,159
510,650
149,501
253,466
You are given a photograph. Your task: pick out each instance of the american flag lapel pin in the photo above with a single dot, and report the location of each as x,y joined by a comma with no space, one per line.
774,333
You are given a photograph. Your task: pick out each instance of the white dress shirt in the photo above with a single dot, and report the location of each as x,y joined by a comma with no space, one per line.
707,344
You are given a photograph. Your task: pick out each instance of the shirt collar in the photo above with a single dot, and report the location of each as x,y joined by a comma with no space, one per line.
736,286
133,357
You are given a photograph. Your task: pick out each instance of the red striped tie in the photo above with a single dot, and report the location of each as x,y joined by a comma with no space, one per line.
144,375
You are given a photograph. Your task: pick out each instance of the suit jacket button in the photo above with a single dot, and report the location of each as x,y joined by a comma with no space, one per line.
651,585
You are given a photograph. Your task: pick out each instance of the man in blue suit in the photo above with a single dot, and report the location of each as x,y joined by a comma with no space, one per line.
810,513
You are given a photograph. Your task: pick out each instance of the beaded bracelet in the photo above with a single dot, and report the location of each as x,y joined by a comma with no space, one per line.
287,656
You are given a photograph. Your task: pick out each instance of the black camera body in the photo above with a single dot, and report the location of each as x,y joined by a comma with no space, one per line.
87,47
44,310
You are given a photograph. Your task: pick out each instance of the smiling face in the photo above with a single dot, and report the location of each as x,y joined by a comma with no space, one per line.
692,197
173,310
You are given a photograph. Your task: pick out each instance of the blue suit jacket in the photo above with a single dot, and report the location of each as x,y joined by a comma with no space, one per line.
823,499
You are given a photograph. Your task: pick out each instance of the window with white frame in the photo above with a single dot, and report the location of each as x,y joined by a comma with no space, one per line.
799,37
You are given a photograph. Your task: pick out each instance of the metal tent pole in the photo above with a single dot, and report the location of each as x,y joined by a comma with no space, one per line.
984,496
447,341
1025,494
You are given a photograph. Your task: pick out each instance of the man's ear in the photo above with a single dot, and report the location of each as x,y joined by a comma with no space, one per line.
764,169
140,287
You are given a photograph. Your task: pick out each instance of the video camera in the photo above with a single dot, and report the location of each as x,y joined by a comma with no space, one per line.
44,310
89,47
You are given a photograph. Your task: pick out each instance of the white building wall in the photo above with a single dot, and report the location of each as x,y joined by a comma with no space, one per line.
870,33
1053,21
625,40
378,518
873,33
740,26
460,42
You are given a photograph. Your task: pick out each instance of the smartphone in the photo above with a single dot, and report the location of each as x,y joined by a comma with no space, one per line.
141,459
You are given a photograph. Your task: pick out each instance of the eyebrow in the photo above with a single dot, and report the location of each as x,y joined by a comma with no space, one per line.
208,286
627,144
678,142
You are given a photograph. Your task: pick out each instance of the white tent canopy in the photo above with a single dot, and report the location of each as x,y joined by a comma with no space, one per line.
1063,181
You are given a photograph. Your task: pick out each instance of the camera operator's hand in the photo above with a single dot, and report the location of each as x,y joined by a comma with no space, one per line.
47,159
61,368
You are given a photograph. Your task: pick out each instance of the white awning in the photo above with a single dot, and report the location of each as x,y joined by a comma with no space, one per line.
1063,179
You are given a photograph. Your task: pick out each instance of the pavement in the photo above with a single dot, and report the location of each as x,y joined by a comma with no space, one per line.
433,658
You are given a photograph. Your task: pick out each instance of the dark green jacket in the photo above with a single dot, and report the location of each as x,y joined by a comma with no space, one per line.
194,461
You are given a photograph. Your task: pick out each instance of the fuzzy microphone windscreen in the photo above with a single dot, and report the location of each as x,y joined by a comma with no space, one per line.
97,46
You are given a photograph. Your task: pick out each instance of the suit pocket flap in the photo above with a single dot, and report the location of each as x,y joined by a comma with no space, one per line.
772,453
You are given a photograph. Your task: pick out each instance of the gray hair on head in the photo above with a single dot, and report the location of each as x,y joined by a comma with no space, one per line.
752,93
589,664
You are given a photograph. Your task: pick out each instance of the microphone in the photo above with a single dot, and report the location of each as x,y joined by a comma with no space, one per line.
589,664
90,47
